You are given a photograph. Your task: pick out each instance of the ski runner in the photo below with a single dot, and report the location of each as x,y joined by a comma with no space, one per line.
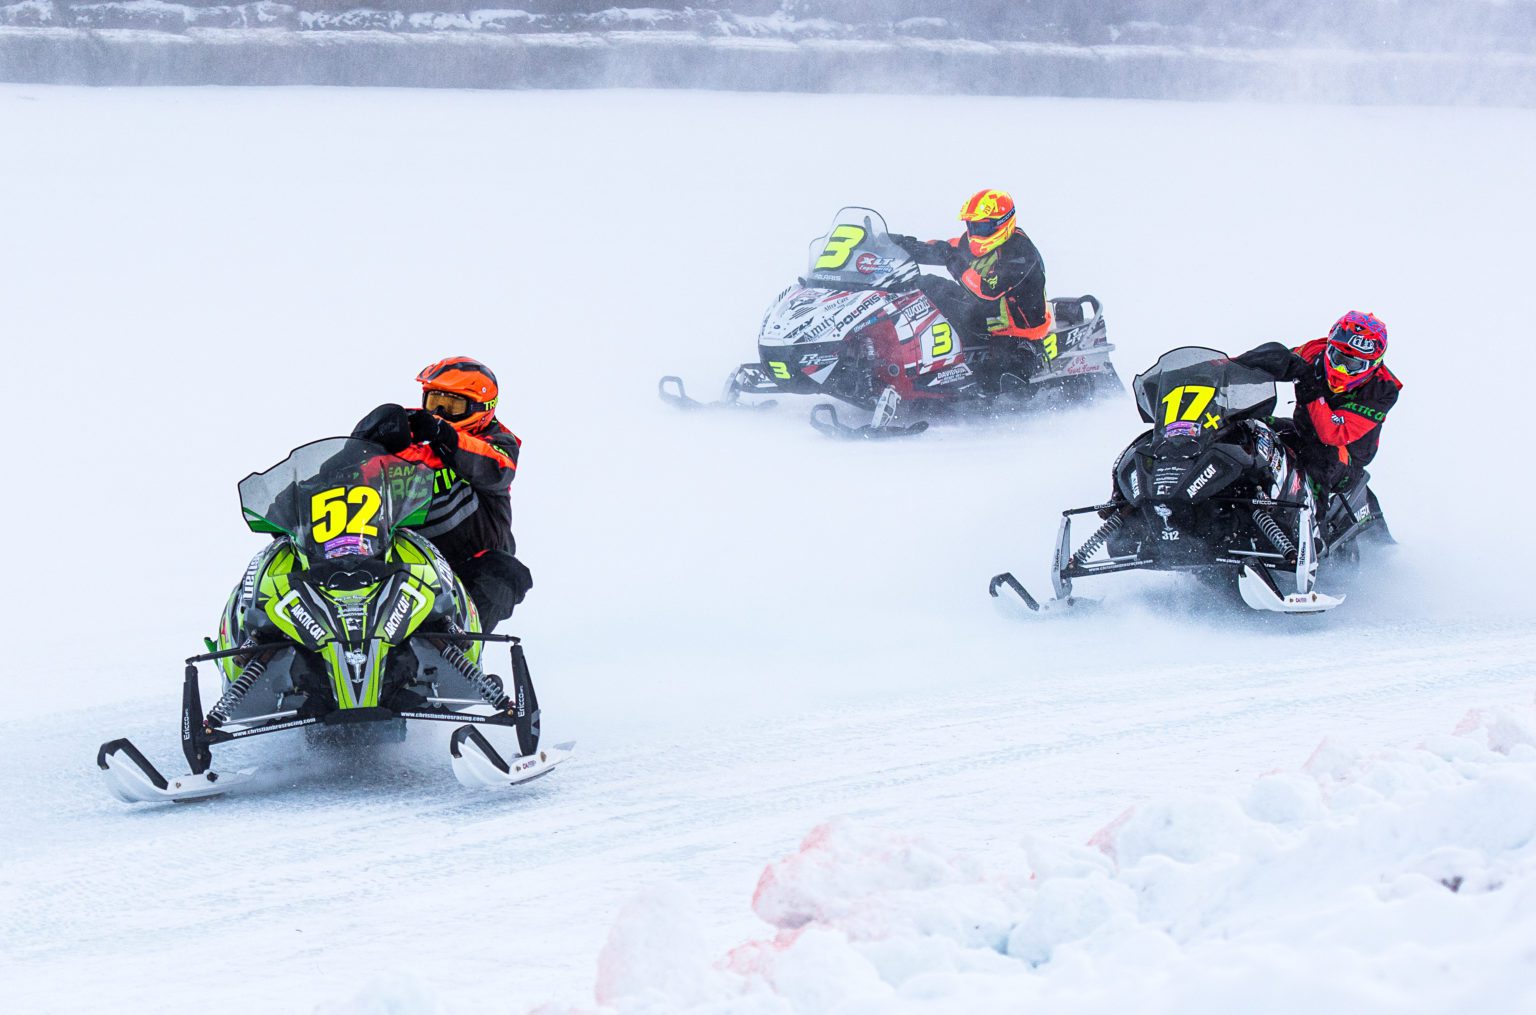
457,433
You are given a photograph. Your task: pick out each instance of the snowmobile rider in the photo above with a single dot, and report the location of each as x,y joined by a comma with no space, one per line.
1000,298
1343,394
457,433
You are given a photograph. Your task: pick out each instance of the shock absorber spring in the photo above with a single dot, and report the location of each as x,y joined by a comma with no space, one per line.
1273,532
237,690
488,687
1096,540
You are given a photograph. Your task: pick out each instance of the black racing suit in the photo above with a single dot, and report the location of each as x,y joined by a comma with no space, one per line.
998,298
470,516
1336,433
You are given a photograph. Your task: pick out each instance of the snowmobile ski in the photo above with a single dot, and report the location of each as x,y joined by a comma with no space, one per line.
476,763
1007,580
682,400
133,779
824,419
1260,592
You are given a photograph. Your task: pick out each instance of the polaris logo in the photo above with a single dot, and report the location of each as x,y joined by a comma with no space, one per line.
1200,481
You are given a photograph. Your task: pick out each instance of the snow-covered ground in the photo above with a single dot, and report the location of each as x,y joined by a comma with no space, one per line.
761,638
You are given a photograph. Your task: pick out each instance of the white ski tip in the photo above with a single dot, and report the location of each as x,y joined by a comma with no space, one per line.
476,763
1262,595
132,779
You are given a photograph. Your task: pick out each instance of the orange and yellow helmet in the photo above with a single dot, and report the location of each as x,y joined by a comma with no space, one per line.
461,390
988,218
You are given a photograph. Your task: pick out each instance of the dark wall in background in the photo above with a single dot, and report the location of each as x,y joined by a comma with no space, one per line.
1415,51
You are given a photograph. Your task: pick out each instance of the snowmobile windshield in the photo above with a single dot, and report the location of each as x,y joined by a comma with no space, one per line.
1191,395
338,497
858,253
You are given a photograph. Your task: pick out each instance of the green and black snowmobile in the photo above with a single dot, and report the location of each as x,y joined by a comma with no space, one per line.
347,616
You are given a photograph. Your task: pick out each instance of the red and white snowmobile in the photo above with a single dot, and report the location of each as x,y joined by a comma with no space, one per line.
860,328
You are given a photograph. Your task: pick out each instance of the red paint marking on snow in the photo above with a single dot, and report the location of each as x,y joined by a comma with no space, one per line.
1104,839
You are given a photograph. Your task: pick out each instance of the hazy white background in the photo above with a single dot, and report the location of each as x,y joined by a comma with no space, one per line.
749,628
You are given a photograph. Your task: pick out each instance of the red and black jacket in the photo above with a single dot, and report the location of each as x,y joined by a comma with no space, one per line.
1010,279
471,509
1340,432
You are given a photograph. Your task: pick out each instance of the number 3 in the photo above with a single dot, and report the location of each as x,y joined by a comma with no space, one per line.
943,340
839,245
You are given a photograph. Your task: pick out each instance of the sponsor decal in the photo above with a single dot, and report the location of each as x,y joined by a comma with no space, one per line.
301,616
275,726
918,310
345,546
446,714
869,264
818,359
402,609
248,583
1135,484
948,376
1200,480
1181,429
1337,419
522,704
1365,345
830,323
1165,512
525,765
1365,411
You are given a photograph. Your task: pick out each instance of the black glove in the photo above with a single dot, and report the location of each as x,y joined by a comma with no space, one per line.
431,429
518,576
388,426
911,244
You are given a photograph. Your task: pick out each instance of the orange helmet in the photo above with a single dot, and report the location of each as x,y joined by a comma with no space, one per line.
988,218
461,390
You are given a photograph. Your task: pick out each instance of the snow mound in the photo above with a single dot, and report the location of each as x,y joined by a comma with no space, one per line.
1393,880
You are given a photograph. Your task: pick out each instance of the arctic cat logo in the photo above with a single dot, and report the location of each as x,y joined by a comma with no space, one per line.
401,611
302,617
1365,411
1200,481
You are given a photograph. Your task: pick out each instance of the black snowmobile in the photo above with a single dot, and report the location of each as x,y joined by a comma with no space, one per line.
1214,488
345,617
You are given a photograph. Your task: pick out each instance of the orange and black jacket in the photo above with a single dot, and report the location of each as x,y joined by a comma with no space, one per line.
471,509
1341,432
1010,280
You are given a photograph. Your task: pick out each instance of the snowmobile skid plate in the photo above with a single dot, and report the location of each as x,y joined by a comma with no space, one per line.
132,779
671,390
477,763
824,418
1260,592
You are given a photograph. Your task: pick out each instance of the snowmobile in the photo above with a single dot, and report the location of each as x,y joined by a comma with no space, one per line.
345,617
1214,488
860,328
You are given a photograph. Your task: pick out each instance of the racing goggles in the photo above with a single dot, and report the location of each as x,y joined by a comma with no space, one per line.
452,407
986,227
1347,362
